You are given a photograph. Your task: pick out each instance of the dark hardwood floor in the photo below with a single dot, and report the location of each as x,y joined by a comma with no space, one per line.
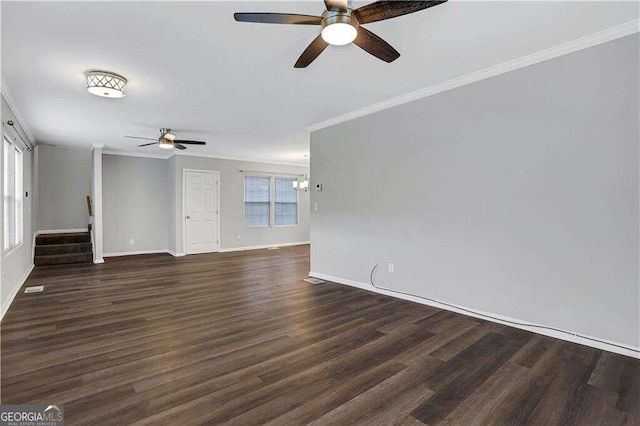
240,338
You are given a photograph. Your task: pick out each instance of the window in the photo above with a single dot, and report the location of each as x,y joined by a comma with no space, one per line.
265,207
257,204
12,195
286,202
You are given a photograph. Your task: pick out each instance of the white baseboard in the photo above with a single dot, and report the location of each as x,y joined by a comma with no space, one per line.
98,261
298,243
60,231
15,291
569,336
133,253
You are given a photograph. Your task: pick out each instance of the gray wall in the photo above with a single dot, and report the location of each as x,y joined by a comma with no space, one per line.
136,204
64,181
16,263
516,195
232,204
142,199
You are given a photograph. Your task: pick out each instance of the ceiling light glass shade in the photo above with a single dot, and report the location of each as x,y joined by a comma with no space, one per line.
165,144
339,33
106,84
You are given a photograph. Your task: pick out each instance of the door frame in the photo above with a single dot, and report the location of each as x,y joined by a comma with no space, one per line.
184,208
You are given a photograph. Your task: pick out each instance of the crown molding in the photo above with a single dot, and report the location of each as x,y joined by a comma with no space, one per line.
137,154
8,97
244,159
199,155
97,145
591,40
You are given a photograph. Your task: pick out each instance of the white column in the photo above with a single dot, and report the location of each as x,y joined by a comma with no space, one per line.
96,197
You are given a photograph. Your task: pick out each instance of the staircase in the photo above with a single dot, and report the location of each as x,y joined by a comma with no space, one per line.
56,249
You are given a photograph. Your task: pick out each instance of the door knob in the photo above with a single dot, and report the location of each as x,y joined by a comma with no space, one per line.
188,217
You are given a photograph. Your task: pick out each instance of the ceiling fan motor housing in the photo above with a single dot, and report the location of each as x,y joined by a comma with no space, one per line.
166,134
330,17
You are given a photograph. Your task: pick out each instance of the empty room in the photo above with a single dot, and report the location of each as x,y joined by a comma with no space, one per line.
320,212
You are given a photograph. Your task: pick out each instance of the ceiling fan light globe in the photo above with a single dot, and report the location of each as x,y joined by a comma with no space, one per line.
165,144
339,33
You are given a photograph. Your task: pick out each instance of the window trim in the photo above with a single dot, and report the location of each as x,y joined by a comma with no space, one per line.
272,201
19,231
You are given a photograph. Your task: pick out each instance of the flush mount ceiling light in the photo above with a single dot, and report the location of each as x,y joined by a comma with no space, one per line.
106,84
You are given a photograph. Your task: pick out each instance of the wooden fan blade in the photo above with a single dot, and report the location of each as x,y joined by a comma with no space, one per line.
312,51
137,137
278,18
147,144
336,5
177,145
376,46
189,142
382,10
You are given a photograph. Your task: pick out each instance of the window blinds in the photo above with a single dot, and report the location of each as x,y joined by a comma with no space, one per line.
257,204
286,202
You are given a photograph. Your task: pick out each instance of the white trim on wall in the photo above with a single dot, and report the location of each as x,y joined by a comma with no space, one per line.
569,336
14,292
610,34
60,231
244,159
133,253
201,155
266,246
137,154
184,208
8,97
96,199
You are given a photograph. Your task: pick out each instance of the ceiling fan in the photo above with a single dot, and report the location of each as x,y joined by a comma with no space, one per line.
342,25
167,140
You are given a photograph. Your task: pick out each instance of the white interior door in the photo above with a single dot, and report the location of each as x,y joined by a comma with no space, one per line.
201,212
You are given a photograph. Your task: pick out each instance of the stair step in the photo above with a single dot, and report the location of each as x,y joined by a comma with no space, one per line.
68,248
76,237
58,259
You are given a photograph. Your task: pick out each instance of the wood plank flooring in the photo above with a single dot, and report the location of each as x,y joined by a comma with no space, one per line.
239,338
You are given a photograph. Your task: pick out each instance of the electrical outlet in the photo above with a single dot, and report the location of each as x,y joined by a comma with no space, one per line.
315,207
238,237
391,267
131,241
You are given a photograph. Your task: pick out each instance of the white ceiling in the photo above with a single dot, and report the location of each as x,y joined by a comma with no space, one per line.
192,68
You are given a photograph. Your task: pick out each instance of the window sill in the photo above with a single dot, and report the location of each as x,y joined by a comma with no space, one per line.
286,226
